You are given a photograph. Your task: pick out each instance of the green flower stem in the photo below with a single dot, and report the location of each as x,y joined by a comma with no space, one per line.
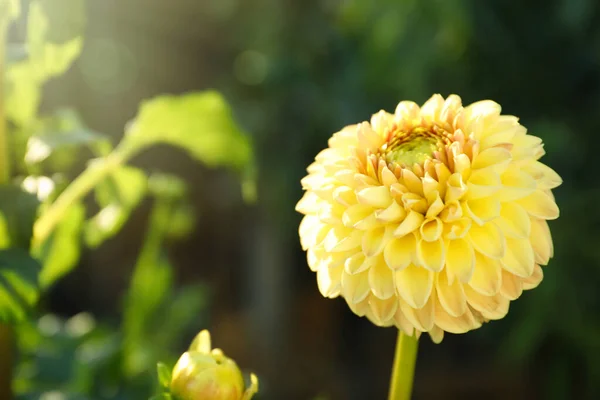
6,331
403,371
76,190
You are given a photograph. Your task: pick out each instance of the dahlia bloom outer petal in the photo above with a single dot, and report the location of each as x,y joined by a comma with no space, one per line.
431,219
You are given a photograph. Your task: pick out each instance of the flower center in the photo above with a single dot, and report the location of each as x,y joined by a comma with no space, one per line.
408,148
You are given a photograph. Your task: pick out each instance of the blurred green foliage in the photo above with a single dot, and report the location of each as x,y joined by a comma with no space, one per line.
45,213
18,283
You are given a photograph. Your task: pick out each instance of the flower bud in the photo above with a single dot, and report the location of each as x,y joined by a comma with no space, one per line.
203,373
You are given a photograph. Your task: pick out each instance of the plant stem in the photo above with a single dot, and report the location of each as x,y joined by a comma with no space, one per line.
403,371
74,192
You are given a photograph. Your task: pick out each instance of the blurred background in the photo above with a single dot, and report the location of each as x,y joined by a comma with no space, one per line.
294,72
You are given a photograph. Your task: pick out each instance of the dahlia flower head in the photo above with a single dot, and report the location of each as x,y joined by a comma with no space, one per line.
431,219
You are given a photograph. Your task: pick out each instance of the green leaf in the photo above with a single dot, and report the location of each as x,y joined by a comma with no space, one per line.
164,375
60,253
63,132
172,188
46,60
18,284
118,195
18,209
166,186
23,93
200,123
150,286
50,57
182,222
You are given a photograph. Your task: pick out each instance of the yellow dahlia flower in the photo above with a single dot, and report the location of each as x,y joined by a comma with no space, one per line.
431,219
204,373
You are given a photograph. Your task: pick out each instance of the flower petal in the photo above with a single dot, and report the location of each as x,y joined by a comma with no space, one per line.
500,311
345,196
356,263
435,207
414,285
313,258
482,183
341,238
483,210
514,221
431,229
398,253
534,280
437,334
458,229
373,241
451,296
361,308
312,231
487,275
430,187
515,185
512,287
387,177
494,157
452,211
431,255
309,203
426,314
414,202
487,239
402,322
394,213
492,307
355,287
367,137
375,196
541,241
462,324
407,110
455,188
460,260
380,121
412,182
518,257
540,205
411,223
411,315
383,310
355,214
381,278
329,280
545,176
331,213
432,108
